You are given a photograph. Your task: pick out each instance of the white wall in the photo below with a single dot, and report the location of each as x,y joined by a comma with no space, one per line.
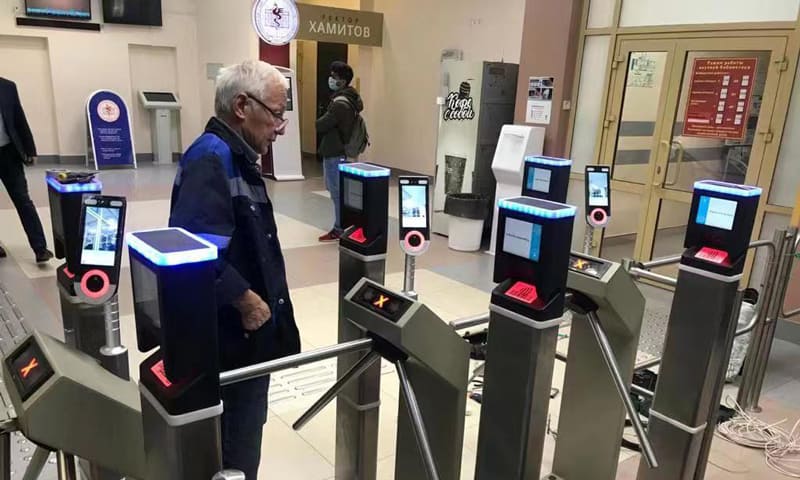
27,61
224,35
82,62
401,85
153,69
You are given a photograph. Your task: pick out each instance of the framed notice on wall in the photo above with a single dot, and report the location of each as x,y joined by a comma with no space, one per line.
719,98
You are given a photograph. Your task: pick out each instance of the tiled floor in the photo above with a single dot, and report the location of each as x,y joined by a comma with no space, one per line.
453,284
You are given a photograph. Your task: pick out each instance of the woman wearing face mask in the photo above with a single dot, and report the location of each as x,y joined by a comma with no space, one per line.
336,128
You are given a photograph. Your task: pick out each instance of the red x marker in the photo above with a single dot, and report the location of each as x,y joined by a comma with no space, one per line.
380,301
25,371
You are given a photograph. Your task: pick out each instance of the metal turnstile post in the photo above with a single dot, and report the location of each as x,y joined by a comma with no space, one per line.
516,396
408,277
37,464
358,404
5,456
699,340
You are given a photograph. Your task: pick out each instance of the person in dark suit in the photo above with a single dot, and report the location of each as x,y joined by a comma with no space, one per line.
17,149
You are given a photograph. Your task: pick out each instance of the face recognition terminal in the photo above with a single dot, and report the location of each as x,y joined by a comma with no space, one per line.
173,274
598,195
546,178
364,204
415,221
102,227
691,376
525,312
66,401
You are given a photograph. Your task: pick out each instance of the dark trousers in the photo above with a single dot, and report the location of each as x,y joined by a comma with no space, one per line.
12,174
243,419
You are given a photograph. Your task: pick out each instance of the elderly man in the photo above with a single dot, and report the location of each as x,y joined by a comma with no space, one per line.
218,191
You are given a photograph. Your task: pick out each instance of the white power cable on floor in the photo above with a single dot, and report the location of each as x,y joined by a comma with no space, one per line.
781,448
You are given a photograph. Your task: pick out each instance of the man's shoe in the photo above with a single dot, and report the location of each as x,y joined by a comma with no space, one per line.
3,253
44,256
331,236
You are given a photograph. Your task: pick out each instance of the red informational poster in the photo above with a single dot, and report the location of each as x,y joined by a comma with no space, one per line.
719,98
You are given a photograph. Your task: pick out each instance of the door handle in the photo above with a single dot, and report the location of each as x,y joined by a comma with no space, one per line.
658,180
678,164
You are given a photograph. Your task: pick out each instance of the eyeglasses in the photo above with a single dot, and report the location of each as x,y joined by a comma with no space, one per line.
282,122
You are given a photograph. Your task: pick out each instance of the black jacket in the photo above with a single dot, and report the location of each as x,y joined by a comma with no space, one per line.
336,125
14,119
219,192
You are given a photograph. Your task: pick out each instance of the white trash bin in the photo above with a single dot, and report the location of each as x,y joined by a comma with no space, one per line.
464,234
466,215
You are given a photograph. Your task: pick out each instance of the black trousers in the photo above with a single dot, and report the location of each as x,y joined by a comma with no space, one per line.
243,419
12,174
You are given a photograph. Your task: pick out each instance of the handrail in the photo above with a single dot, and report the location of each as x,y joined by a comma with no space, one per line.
795,253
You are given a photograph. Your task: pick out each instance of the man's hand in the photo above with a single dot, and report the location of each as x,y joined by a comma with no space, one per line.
30,160
253,310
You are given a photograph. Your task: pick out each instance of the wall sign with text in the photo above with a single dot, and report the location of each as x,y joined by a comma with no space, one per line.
719,98
339,25
459,105
276,21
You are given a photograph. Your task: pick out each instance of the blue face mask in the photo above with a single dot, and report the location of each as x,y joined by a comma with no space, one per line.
333,84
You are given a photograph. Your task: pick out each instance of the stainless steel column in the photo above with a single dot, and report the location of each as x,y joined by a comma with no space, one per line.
66,466
698,344
516,396
5,456
358,405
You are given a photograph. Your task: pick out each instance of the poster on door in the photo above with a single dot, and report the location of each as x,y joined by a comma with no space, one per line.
720,93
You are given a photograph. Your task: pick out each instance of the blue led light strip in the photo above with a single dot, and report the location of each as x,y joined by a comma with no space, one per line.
728,188
93,186
552,161
169,259
566,212
372,172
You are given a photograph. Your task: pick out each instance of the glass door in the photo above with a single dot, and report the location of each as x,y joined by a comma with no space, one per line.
682,110
632,129
716,123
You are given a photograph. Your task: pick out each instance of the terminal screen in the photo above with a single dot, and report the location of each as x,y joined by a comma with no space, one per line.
598,189
716,212
415,206
353,194
539,179
523,239
100,231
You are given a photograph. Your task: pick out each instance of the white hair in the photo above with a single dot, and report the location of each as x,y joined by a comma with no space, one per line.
252,76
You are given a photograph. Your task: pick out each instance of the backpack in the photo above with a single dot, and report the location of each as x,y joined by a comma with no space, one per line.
359,138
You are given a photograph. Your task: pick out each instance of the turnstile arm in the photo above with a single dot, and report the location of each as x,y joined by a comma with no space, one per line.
417,423
37,464
263,369
66,466
613,368
359,368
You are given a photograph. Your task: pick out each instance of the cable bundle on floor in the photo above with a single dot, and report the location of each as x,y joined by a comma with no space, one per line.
781,448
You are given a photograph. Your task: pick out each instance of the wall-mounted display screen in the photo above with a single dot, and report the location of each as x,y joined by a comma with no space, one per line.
414,206
716,212
523,239
538,179
100,230
133,12
353,194
598,189
72,9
